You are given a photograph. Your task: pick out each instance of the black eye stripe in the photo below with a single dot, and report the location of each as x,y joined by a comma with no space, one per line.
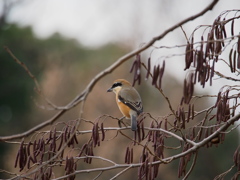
116,84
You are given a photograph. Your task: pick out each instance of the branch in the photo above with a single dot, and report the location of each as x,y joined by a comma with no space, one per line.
168,159
24,67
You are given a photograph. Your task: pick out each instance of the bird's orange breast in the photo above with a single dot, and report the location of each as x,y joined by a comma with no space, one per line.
124,109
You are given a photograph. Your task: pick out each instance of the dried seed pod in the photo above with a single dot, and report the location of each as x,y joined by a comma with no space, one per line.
187,57
189,112
17,158
238,45
181,167
66,133
75,138
218,48
143,132
219,112
183,117
156,70
150,172
224,30
67,163
95,134
135,138
212,72
188,88
189,54
236,158
133,66
137,70
28,162
165,124
103,132
193,111
131,155
148,68
146,167
127,156
23,158
230,61
143,157
150,133
21,155
138,133
54,140
238,61
161,75
28,148
218,98
61,141
234,59
49,138
232,28
155,167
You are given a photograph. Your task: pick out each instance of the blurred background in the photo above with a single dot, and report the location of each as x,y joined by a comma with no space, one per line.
66,43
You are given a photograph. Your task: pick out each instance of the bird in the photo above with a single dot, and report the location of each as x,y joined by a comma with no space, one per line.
128,100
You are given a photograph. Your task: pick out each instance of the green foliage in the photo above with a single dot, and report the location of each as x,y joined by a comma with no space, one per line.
17,109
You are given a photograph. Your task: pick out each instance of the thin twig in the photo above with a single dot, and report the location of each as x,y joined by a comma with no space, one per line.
121,172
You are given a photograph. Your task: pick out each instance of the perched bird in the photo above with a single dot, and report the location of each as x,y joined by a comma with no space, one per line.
128,100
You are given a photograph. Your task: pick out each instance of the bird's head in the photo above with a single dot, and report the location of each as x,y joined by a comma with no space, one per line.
118,85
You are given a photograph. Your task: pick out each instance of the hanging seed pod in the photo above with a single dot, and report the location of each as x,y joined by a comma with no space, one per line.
138,133
133,66
148,68
142,131
193,111
66,134
212,73
238,61
103,132
131,155
230,61
136,67
224,30
61,141
188,55
95,134
155,167
234,60
236,158
161,75
189,112
238,45
127,156
232,28
17,159
211,43
156,70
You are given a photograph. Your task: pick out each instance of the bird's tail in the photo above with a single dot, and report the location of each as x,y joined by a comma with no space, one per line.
134,122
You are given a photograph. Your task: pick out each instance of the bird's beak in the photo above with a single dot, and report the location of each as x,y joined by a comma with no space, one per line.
110,90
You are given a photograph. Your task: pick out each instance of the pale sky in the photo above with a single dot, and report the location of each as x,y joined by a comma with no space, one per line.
133,22
97,22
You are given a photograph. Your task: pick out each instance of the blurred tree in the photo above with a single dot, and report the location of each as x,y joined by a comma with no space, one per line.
18,111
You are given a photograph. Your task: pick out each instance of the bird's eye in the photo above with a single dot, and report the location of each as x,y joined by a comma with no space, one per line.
116,84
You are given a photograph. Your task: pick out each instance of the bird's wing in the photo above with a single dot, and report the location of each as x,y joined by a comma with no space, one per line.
131,98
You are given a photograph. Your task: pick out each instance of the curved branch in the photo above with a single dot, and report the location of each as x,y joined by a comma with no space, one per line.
168,159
